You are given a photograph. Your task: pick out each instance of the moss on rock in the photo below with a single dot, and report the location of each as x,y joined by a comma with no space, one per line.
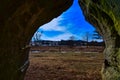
105,16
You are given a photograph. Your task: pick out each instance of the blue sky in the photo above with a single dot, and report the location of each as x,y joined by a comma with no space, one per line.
69,23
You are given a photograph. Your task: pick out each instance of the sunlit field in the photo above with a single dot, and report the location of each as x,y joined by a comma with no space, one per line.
64,66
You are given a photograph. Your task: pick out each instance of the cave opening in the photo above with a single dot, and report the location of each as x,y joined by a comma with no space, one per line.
65,47
20,19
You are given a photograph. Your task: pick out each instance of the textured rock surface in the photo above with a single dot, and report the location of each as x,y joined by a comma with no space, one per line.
19,19
105,16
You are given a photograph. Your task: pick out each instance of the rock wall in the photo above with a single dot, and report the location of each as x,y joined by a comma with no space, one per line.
105,16
19,19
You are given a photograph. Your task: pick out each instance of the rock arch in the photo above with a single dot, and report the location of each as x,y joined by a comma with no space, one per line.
19,19
104,15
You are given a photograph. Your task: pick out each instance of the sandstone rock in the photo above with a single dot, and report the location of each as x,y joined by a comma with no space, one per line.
105,16
19,19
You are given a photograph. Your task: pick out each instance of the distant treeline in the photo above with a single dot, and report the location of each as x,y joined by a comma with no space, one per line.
66,43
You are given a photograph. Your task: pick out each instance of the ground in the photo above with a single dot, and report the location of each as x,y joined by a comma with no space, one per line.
64,66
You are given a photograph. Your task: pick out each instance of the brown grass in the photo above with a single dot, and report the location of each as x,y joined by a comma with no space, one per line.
64,66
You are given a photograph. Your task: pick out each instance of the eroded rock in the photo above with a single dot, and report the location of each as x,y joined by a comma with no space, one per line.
105,16
19,19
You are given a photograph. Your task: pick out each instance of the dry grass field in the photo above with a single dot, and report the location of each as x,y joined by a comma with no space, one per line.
64,66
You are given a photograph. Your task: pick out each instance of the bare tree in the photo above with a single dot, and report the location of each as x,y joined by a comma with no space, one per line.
37,38
72,38
86,38
96,36
71,41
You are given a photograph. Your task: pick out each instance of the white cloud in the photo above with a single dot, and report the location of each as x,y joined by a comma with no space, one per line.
64,36
53,25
